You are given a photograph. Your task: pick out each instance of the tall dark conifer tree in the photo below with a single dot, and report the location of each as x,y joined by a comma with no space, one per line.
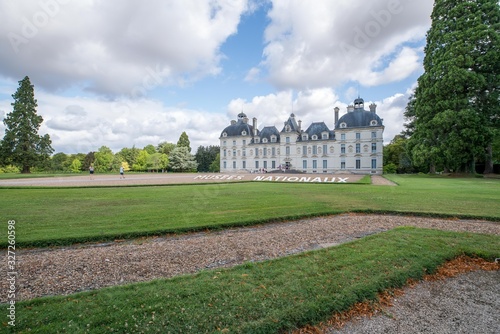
456,101
21,145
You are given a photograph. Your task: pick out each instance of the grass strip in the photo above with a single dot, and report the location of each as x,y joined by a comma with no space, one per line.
46,217
262,297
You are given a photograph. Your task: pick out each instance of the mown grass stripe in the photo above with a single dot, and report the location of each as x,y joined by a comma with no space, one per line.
47,216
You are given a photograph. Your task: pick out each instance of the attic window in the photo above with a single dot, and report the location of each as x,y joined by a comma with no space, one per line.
343,125
373,123
264,140
314,137
243,133
224,134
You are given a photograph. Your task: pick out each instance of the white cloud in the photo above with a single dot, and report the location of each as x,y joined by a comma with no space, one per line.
110,47
80,125
391,110
314,105
332,42
404,64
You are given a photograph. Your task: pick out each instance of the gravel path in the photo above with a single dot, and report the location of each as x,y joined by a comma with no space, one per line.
469,303
60,271
378,180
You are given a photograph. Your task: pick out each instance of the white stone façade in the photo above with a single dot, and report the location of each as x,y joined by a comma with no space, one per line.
354,146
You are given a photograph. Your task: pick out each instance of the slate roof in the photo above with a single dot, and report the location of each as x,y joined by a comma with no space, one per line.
317,128
267,132
237,128
293,124
359,117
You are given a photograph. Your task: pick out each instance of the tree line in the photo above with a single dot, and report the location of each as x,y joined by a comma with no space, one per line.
161,158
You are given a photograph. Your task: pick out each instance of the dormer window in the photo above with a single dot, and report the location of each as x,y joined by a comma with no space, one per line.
243,133
257,140
264,140
324,135
224,134
288,128
373,123
304,137
343,125
273,139
314,137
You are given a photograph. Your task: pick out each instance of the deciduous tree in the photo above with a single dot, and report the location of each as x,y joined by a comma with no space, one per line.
103,159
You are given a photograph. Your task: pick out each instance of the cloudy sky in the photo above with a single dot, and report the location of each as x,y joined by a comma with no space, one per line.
122,73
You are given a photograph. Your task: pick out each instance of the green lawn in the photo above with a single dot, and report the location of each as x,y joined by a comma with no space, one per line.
49,216
265,297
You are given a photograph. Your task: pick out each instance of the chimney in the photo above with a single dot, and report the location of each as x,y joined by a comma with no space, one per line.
254,126
350,108
336,110
373,108
300,125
